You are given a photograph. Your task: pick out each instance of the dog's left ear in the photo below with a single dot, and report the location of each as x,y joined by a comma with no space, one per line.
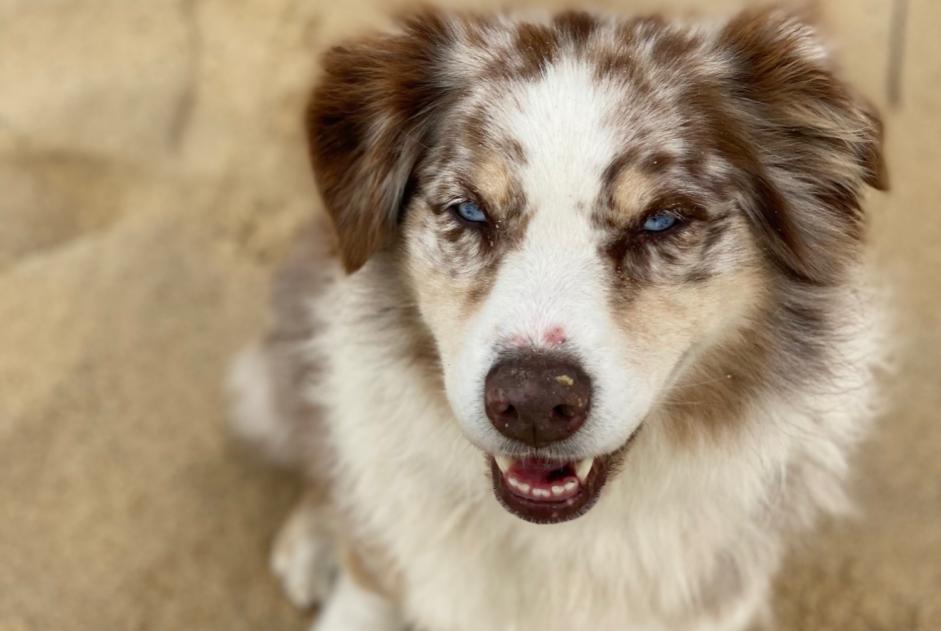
818,142
368,122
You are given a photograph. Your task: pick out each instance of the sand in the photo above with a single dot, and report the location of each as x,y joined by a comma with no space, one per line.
152,172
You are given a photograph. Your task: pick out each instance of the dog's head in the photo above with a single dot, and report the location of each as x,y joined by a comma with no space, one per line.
593,213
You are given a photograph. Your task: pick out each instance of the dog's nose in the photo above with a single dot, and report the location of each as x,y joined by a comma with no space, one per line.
537,399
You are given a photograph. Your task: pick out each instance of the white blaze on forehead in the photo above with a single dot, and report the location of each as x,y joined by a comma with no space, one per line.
556,280
560,121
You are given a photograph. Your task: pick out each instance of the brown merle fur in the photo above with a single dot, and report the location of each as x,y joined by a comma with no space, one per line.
368,122
775,112
772,138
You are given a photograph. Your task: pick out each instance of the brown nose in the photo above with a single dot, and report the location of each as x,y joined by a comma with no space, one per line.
537,399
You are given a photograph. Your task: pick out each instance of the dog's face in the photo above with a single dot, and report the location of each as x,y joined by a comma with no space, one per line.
592,213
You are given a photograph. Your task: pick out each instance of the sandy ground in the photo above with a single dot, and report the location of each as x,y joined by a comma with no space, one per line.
152,171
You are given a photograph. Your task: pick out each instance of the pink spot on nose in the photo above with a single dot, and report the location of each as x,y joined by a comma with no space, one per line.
555,336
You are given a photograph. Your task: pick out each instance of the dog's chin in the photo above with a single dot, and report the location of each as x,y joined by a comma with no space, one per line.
548,491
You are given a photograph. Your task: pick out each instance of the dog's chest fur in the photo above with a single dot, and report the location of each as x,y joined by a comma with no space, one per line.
678,532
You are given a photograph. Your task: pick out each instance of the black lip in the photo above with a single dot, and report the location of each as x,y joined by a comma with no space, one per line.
551,512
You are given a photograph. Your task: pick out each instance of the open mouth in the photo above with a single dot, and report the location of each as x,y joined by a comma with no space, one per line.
546,491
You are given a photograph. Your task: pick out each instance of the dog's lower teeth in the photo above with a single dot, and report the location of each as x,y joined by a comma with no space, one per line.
583,468
558,489
522,486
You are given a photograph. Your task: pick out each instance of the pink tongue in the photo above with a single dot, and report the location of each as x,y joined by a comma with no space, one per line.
540,472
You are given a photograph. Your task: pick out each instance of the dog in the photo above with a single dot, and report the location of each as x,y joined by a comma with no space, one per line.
589,336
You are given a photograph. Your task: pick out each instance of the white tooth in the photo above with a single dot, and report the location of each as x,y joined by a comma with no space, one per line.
523,487
513,482
571,486
541,493
557,490
583,468
503,462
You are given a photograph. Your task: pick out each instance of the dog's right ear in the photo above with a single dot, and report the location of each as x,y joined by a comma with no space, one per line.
368,122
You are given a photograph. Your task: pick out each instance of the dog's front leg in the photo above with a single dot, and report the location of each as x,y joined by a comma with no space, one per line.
306,558
303,556
355,608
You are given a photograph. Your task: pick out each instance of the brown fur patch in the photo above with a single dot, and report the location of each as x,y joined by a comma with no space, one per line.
710,397
631,190
493,181
615,63
576,27
711,401
806,121
367,123
537,46
673,46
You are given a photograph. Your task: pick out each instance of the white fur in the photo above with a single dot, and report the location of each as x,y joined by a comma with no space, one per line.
353,608
304,558
415,485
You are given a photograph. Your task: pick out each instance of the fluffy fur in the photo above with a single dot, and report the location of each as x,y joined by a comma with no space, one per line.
731,358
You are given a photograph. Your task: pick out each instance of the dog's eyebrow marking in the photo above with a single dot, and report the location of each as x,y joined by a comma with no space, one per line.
613,170
648,164
493,181
631,190
629,182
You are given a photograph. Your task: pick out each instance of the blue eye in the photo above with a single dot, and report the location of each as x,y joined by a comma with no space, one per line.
661,221
470,212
